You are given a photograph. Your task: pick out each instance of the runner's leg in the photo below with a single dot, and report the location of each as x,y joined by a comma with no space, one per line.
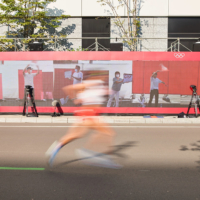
99,148
75,132
103,139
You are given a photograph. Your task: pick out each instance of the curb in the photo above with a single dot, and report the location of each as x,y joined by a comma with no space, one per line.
109,120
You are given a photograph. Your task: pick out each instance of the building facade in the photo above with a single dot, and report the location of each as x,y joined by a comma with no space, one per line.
159,20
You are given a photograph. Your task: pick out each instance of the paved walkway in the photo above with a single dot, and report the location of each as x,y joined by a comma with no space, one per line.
107,119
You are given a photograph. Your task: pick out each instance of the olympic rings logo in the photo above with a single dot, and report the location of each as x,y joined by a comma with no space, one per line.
179,55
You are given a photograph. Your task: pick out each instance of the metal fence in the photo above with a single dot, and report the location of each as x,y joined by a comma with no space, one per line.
98,44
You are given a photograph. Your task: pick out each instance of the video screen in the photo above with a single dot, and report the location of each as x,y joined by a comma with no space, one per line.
131,83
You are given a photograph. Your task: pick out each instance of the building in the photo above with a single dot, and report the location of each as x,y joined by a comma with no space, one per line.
159,20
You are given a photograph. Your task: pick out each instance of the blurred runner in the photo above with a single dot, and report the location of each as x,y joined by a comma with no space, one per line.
91,94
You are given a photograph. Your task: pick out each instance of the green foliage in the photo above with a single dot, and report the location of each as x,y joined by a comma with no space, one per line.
6,44
23,17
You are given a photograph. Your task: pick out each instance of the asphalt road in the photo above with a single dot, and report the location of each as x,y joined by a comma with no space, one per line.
159,162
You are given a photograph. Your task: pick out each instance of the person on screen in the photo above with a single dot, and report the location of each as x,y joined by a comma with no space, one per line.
154,88
28,80
117,83
77,77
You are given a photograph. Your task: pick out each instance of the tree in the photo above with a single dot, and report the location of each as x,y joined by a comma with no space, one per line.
25,17
129,28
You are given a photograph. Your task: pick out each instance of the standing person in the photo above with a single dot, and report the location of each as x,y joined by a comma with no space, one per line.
77,77
91,95
154,89
28,79
117,83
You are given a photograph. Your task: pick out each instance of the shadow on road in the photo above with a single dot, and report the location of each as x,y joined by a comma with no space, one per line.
194,147
118,152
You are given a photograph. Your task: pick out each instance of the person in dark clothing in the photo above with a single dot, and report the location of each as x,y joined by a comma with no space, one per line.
154,90
117,83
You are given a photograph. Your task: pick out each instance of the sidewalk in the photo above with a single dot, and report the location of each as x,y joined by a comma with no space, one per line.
107,119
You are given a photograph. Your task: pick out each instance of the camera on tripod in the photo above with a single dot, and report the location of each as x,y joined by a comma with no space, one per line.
193,88
194,100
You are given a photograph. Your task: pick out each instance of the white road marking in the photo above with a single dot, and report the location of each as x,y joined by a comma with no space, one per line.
104,126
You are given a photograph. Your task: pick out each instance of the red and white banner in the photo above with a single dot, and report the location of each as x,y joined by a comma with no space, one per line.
160,81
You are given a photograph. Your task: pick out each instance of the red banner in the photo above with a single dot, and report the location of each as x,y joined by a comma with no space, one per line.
160,80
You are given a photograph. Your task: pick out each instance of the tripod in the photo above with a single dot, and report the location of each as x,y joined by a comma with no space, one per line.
194,100
56,105
55,114
26,103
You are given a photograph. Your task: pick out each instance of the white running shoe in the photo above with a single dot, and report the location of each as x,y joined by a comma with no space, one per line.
97,159
51,148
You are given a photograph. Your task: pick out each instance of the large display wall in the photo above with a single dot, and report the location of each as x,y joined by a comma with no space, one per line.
175,72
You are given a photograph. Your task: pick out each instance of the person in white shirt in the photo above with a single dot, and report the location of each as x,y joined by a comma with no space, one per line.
28,82
155,88
77,77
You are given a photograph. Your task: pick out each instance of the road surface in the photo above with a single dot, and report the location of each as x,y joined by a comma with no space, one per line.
159,162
